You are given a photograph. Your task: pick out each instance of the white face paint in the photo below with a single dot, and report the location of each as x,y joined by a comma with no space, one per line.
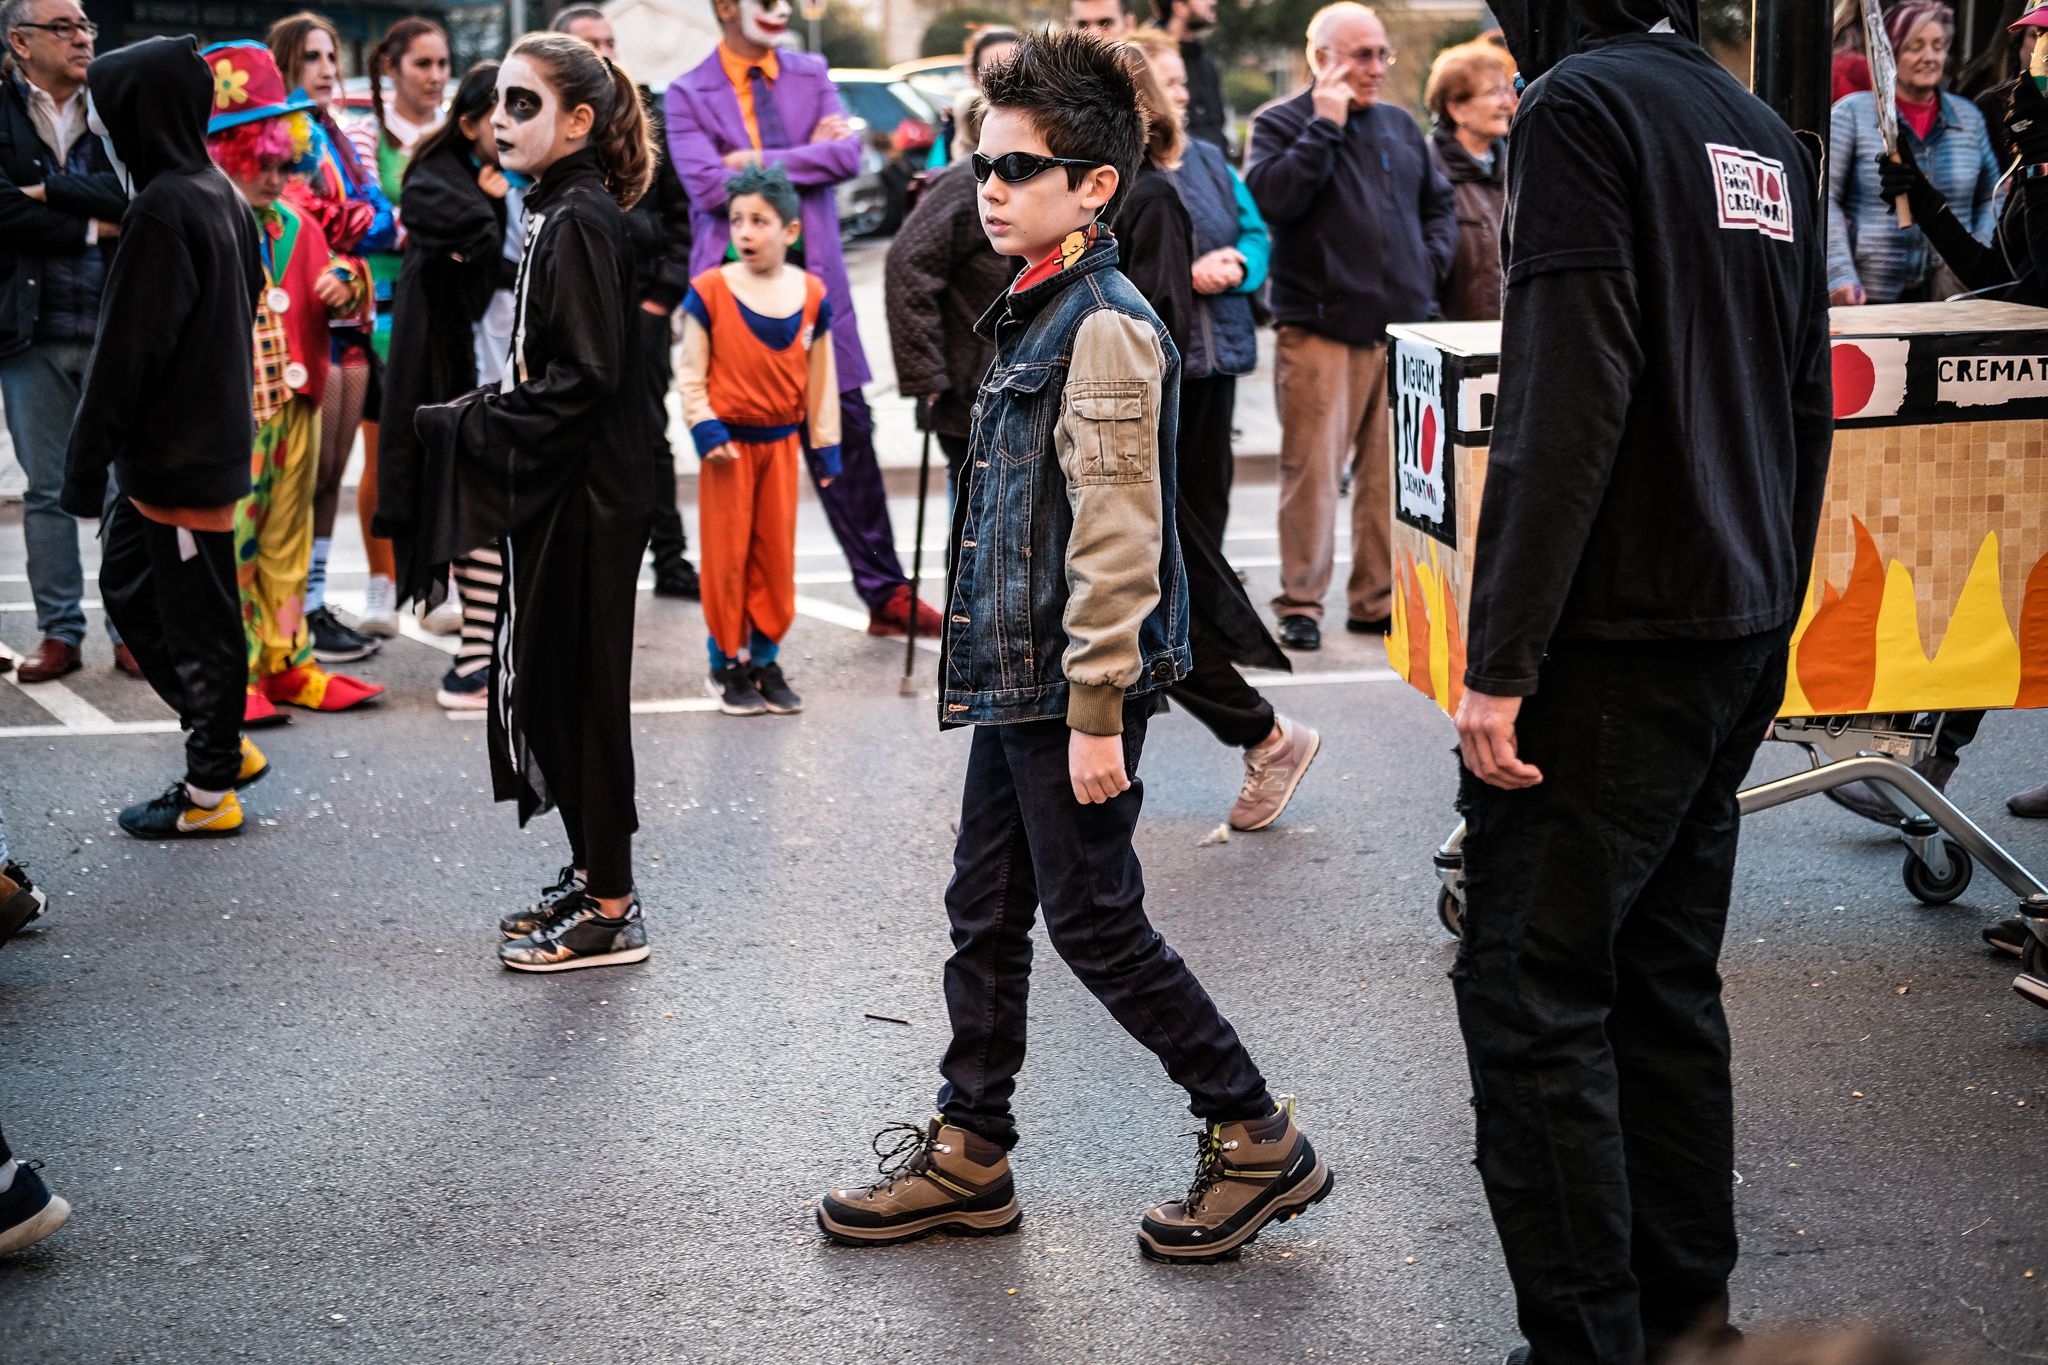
764,21
528,120
99,130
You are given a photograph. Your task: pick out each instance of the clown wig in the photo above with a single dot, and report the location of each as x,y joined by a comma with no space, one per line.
245,149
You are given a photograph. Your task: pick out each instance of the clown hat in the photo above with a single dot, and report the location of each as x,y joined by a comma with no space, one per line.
2035,15
247,86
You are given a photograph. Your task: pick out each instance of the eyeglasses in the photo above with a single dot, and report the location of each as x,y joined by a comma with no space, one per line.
1016,167
67,30
1365,56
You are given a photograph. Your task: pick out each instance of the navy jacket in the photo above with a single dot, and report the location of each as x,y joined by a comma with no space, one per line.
38,239
1364,225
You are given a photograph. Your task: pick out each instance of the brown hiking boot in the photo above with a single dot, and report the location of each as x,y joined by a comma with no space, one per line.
1271,773
934,1179
1246,1176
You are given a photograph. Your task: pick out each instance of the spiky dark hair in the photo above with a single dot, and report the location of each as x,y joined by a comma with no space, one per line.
772,183
1079,93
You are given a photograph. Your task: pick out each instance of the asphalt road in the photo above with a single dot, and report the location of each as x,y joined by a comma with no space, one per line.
303,1115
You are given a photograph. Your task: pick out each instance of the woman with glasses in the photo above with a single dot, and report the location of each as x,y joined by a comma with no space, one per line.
1871,259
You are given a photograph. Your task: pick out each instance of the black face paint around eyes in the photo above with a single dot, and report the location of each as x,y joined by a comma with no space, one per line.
521,104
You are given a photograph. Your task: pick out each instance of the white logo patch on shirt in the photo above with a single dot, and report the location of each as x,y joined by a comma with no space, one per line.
1755,195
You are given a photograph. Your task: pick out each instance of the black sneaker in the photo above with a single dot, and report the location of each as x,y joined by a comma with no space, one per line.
28,1211
775,691
20,902
735,691
335,643
2010,936
580,938
677,580
552,905
1378,625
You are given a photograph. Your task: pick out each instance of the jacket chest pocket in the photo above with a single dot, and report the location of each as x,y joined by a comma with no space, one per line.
1112,438
1013,411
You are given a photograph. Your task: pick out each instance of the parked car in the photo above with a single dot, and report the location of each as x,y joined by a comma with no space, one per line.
863,201
939,79
899,124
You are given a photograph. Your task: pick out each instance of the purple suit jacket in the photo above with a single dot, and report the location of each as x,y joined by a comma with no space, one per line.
704,125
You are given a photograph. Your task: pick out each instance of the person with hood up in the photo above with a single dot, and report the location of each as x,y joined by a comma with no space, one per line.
1645,536
167,408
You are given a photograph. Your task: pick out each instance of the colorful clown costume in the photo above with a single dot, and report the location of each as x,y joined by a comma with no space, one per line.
760,385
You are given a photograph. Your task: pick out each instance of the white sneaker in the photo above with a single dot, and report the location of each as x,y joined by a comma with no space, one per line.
445,619
380,608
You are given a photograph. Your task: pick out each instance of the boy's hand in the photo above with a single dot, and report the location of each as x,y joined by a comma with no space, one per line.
331,291
724,454
1095,765
492,181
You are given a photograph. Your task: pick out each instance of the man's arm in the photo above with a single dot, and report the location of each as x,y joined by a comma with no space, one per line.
36,229
1107,442
698,162
96,194
915,275
152,288
1290,161
819,163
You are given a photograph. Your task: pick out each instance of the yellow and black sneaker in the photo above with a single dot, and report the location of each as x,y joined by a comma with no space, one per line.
175,815
934,1179
255,767
1246,1176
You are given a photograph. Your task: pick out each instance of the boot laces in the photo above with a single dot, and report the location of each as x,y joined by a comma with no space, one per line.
904,1158
1209,1150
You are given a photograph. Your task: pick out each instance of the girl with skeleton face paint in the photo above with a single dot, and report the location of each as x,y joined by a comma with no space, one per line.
527,465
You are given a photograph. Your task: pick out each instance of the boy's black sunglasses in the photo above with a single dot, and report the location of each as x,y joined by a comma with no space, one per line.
1017,167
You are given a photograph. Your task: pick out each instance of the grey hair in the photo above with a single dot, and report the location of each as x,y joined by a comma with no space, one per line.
1343,9
562,19
13,14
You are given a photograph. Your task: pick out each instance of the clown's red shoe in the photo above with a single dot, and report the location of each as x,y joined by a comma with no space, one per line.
314,688
258,713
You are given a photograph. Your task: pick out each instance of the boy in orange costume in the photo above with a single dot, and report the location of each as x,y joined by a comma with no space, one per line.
757,372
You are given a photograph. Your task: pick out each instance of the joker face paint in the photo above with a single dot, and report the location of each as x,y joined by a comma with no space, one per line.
765,22
532,129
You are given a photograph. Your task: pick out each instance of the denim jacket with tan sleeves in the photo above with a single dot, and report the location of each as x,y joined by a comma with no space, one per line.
1068,594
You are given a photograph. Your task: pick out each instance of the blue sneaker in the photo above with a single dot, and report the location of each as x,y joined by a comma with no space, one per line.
472,693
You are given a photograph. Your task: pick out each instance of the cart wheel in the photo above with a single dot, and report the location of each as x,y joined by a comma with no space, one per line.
2035,959
1929,889
1450,913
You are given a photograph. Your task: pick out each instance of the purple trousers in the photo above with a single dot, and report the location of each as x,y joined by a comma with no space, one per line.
858,507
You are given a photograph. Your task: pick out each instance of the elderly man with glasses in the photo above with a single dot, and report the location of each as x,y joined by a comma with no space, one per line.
60,206
1364,229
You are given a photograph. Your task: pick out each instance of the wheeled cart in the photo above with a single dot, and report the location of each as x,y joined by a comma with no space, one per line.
1930,583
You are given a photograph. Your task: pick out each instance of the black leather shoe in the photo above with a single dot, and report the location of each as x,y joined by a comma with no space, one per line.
1379,625
1300,632
2031,804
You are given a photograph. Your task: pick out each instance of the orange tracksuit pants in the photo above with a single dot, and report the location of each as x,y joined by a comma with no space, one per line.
746,537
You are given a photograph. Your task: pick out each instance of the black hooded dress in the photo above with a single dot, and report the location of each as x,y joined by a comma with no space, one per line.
167,391
454,262
554,465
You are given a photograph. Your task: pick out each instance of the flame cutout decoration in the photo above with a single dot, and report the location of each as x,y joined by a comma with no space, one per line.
1859,649
1836,658
1425,646
1856,648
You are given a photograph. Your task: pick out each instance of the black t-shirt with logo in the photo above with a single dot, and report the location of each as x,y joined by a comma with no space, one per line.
1664,417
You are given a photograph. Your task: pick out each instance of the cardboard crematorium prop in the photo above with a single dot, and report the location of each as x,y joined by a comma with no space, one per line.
1930,581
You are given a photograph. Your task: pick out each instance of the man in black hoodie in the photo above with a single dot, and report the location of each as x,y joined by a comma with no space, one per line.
1652,495
167,407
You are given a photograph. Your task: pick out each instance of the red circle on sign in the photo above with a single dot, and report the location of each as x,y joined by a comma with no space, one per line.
1427,452
1855,379
1773,191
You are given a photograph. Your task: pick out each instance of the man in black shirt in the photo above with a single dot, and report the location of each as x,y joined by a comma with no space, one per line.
1189,21
1652,496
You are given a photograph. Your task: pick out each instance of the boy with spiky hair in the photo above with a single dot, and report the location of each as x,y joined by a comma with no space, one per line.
1067,621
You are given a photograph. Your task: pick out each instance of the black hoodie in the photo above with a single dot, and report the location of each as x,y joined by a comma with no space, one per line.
167,392
1663,426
